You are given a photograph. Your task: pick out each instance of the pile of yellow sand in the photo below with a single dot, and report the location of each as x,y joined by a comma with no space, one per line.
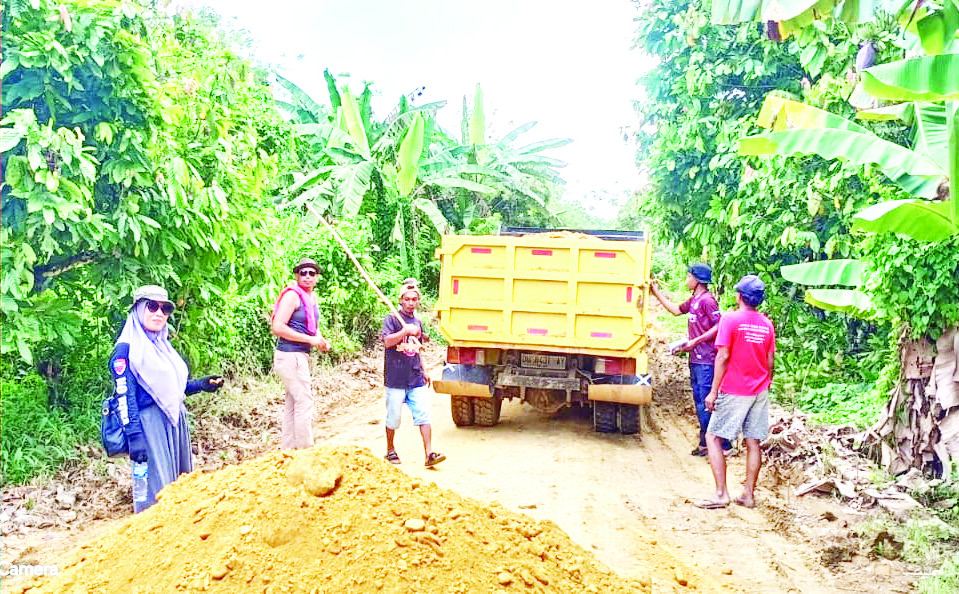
333,519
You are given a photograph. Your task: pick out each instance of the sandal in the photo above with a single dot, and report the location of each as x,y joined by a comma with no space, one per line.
434,458
699,451
711,504
392,457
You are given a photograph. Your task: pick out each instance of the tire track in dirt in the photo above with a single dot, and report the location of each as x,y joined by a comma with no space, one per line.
627,498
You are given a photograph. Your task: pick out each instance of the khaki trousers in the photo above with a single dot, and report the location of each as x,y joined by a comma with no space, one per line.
293,369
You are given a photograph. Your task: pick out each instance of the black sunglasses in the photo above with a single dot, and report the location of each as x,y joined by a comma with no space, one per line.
166,307
308,272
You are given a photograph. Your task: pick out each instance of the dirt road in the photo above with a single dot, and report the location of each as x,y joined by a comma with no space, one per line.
617,495
627,498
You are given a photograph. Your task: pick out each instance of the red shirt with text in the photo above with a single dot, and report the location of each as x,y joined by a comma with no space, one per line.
750,337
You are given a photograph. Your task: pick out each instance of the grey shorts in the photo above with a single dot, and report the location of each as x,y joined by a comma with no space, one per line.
749,414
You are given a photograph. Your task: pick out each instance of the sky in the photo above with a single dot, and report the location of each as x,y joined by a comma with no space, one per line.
566,65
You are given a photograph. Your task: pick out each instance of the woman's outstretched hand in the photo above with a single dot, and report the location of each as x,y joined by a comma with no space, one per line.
211,383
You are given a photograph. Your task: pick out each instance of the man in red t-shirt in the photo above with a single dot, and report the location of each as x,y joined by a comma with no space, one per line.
739,399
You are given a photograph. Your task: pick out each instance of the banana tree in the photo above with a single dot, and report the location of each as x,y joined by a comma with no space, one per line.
922,170
847,273
930,78
927,91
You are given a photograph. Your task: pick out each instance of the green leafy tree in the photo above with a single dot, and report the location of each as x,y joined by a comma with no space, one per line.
137,149
921,271
748,215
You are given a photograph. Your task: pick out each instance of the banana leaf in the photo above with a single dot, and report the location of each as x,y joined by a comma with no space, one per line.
911,170
928,78
354,125
930,133
335,100
354,181
302,99
848,301
513,135
477,127
408,156
781,113
826,272
447,156
314,196
901,112
433,213
526,159
457,182
402,121
339,136
543,145
343,156
918,219
310,178
311,129
952,122
937,30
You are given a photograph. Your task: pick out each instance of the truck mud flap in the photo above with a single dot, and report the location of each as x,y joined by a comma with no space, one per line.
465,380
640,393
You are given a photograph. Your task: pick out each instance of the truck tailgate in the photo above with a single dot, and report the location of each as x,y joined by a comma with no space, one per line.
575,294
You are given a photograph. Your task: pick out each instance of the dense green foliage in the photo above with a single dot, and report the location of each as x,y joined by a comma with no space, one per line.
142,147
137,149
913,283
749,215
33,440
745,215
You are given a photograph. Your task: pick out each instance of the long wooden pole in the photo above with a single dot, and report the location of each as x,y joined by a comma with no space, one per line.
359,267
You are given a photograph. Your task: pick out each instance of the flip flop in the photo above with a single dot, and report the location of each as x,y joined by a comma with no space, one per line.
434,458
711,504
392,457
741,500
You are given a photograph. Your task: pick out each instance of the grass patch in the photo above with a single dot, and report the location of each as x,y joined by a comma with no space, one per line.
36,441
945,581
837,404
923,540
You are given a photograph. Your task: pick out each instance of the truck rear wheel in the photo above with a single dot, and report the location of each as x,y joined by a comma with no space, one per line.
461,408
486,410
629,419
604,416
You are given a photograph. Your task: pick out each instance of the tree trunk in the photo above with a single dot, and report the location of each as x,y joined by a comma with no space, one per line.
919,427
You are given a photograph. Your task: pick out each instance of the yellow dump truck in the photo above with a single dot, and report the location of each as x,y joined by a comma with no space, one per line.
555,319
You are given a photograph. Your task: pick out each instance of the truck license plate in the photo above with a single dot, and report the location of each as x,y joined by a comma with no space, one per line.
543,361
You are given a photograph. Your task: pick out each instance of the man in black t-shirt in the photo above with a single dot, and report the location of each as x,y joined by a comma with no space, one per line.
404,377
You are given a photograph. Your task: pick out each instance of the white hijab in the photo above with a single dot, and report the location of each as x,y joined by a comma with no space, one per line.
159,369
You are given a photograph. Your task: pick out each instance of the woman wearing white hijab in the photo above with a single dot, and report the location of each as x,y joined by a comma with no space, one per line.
151,381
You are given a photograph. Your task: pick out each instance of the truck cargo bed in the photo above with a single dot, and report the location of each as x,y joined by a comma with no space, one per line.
555,292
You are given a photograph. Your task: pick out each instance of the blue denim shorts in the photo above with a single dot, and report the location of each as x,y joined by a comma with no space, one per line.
418,399
749,414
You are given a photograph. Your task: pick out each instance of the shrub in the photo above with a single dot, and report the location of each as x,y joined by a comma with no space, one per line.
34,440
